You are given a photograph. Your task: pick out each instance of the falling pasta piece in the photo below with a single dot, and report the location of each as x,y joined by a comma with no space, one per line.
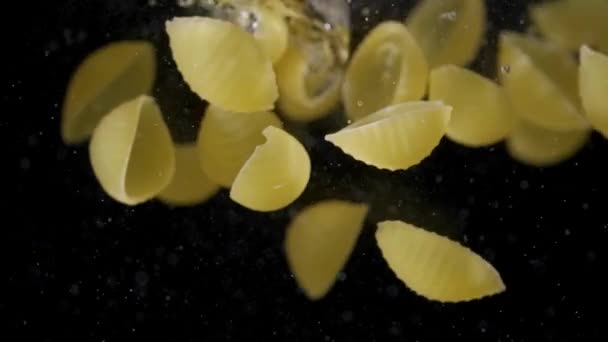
111,75
226,140
275,175
387,68
271,32
536,146
593,87
540,80
481,114
448,31
189,185
434,266
131,152
572,23
396,137
319,241
222,64
307,92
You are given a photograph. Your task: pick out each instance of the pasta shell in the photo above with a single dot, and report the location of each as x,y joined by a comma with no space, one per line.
593,87
271,32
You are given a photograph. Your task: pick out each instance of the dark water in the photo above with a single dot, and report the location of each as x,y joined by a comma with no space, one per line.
80,267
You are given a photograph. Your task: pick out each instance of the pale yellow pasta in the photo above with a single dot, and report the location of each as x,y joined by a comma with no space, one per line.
131,152
222,64
319,241
111,75
275,175
227,139
189,185
306,94
388,67
434,266
481,113
535,146
540,80
271,31
396,137
448,31
593,87
572,23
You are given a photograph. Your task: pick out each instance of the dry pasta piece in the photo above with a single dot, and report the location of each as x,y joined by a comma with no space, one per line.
189,185
227,139
275,175
593,87
396,137
387,68
434,266
307,93
540,80
572,23
319,241
271,32
222,64
448,31
481,114
535,146
111,75
131,152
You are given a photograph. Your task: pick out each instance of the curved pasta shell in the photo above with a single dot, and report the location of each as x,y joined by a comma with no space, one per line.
396,137
298,101
271,33
227,139
593,87
388,67
541,82
572,23
189,185
319,241
481,113
448,31
222,64
111,75
131,152
434,266
535,146
275,175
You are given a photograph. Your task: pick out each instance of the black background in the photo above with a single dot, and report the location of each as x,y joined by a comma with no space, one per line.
81,267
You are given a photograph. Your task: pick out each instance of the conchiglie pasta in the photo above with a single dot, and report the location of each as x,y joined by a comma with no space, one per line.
111,75
396,137
275,174
540,80
227,139
434,266
481,113
319,241
271,32
222,64
448,31
131,152
535,146
388,67
593,87
189,185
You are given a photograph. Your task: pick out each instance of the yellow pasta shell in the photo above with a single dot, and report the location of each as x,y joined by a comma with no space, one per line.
271,32
388,67
481,113
275,175
593,87
396,137
189,185
131,152
540,80
222,64
227,139
109,76
434,266
448,31
319,241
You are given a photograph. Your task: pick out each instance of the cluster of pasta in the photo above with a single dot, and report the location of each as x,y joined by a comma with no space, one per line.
405,87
